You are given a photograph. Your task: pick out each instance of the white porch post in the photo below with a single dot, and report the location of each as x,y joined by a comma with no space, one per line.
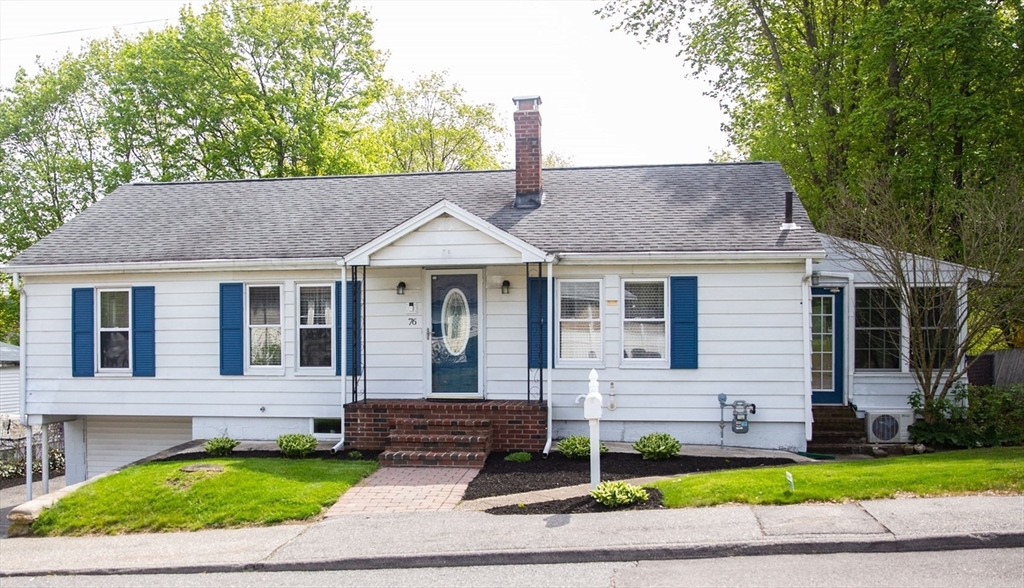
45,459
28,462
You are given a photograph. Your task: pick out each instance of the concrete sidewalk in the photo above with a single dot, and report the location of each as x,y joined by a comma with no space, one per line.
461,538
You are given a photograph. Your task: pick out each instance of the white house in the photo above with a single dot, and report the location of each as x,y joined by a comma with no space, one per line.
356,307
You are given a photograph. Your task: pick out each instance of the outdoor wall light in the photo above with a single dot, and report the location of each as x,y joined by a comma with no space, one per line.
815,278
400,290
505,286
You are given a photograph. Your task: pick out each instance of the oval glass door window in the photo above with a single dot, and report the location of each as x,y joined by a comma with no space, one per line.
455,322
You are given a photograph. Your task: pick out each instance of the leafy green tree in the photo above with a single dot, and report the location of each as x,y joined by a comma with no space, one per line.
247,88
928,93
430,127
556,159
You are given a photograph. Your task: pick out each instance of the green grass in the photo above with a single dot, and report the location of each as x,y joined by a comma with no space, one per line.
937,474
160,497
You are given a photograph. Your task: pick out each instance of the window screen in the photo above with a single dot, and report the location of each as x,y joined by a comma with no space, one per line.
643,323
579,319
265,325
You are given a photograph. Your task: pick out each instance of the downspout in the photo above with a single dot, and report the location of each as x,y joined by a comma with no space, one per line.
848,328
550,340
341,345
23,379
805,287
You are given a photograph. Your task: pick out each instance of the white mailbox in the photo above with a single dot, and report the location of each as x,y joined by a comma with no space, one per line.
592,408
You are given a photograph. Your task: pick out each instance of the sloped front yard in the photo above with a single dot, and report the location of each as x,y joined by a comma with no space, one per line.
234,492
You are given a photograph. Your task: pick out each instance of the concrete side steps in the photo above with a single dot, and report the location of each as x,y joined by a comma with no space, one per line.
465,443
457,459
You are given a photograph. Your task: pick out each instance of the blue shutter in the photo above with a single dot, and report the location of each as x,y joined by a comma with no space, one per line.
537,321
83,356
232,342
354,342
352,310
143,323
684,322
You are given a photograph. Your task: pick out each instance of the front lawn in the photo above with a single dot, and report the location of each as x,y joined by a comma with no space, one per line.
948,473
161,497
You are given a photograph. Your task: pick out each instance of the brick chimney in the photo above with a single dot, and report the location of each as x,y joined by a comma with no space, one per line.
529,191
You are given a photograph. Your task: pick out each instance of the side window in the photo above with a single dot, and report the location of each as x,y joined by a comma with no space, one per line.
643,320
114,329
938,310
264,318
877,330
579,320
316,325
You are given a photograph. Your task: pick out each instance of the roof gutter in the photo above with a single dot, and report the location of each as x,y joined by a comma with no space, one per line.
207,265
691,257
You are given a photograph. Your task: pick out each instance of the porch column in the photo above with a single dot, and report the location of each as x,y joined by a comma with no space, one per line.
28,463
45,459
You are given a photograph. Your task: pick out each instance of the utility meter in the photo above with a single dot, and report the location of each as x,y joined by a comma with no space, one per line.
740,409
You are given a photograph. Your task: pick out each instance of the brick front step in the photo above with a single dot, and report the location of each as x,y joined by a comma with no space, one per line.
466,443
457,459
420,426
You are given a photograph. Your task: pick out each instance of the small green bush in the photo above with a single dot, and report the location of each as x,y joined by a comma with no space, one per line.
220,446
615,494
519,457
296,444
355,454
657,446
16,469
971,416
577,447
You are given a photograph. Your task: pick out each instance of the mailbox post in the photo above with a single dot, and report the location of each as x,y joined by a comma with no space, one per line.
592,409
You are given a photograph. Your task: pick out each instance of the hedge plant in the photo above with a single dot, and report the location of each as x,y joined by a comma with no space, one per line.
577,447
296,444
619,493
657,446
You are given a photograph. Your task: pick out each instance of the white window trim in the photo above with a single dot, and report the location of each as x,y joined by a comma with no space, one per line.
267,370
301,370
99,329
630,362
569,363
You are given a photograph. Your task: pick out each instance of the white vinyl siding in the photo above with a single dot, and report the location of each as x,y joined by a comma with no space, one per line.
113,442
10,383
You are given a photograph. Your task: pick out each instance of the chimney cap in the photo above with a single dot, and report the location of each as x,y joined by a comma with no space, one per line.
526,102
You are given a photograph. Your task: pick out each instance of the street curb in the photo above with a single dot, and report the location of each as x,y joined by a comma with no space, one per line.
591,555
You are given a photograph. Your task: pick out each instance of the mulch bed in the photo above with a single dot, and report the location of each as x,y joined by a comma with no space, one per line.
20,480
499,477
577,505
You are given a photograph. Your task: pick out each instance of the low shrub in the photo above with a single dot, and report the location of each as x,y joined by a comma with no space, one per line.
355,454
296,444
16,468
577,447
220,446
616,494
657,446
971,416
519,457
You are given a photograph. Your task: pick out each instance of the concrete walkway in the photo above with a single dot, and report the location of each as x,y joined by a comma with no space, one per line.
15,495
405,490
450,539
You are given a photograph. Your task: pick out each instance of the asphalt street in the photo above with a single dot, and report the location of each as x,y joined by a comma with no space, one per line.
1002,568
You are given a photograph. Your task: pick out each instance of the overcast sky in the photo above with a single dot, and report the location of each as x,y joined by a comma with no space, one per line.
606,99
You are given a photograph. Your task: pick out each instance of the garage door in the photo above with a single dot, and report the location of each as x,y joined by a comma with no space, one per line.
111,442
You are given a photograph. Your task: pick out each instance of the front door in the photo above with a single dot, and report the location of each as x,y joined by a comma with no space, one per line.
454,334
827,373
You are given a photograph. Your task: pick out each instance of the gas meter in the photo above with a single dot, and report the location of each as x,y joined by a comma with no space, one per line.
740,409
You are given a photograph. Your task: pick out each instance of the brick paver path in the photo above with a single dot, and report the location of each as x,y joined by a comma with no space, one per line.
406,490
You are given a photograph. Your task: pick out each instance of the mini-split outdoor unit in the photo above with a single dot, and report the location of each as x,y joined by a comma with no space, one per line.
889,426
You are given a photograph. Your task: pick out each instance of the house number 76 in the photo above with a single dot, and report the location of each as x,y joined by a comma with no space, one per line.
412,322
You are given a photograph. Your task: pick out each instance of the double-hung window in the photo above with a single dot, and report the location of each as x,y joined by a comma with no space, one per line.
115,330
579,320
643,321
315,327
938,310
877,329
264,303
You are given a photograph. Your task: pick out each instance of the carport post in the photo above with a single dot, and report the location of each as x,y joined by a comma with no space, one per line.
28,463
45,459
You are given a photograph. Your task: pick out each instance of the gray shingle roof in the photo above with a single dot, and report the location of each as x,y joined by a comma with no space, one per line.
673,208
9,353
